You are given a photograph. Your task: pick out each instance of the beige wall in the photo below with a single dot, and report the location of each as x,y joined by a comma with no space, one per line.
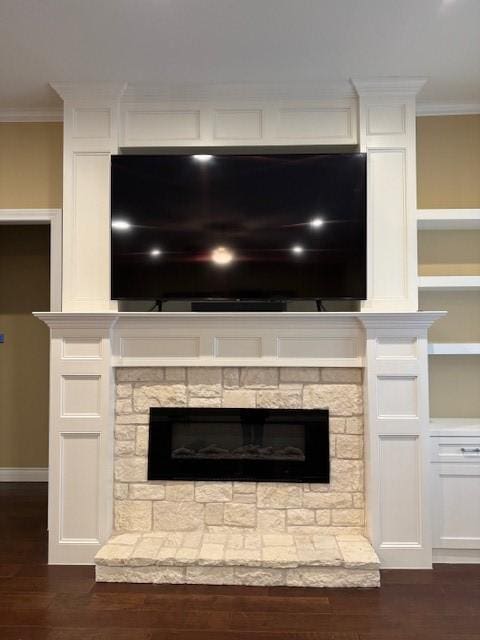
31,165
30,177
449,253
448,176
448,162
454,386
24,286
462,323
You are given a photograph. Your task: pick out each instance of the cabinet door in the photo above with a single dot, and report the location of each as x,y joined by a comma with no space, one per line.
456,505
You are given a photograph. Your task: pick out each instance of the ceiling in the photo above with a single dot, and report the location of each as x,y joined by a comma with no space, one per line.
173,42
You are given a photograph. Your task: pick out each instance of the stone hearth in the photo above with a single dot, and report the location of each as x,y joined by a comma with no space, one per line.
239,559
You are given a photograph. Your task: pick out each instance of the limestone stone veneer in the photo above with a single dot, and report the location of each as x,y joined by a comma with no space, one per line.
219,507
236,558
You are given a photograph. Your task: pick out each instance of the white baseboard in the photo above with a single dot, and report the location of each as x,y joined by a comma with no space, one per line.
456,556
23,474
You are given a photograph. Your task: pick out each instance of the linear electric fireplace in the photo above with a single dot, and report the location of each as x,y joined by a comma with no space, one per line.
284,445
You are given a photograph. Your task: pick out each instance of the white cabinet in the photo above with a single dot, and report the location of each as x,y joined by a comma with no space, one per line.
455,490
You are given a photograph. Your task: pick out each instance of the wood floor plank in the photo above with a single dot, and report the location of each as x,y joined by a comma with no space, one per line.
41,602
226,634
314,622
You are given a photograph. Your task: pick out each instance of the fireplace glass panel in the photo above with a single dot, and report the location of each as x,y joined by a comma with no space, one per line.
285,445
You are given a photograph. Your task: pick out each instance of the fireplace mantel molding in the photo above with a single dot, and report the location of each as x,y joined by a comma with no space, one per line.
247,339
391,347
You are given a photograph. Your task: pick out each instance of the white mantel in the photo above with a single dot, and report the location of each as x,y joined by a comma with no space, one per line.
267,339
392,347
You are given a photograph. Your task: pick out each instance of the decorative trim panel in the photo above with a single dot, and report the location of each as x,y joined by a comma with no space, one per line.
245,122
81,396
81,348
91,123
160,126
315,123
400,511
386,119
79,458
238,124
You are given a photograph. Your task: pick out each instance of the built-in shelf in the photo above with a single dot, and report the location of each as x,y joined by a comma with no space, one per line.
445,219
454,348
445,283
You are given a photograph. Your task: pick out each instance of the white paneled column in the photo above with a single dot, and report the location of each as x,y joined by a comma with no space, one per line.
80,438
90,130
387,135
396,438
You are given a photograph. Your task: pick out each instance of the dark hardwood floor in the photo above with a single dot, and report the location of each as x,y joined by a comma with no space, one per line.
39,602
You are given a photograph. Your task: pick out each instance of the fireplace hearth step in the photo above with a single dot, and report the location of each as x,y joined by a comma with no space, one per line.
256,559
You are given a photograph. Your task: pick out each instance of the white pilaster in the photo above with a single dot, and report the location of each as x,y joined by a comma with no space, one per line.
91,125
387,135
396,438
81,438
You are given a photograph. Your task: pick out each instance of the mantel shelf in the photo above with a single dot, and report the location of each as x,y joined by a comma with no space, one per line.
387,319
241,339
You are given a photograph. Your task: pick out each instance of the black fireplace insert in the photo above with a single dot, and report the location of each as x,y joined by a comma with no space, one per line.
282,445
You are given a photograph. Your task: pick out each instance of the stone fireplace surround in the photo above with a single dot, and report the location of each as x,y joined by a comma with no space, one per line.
219,507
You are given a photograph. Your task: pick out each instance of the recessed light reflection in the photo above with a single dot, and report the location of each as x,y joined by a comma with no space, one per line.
297,249
221,256
121,225
202,157
155,252
316,223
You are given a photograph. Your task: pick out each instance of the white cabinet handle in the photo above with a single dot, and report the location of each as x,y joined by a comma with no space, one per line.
470,449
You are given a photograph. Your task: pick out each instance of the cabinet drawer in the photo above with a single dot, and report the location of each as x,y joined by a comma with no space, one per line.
455,449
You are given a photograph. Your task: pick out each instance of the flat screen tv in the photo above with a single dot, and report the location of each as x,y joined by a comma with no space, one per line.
238,227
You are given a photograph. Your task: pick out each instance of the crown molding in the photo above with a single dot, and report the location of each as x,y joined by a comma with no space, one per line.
31,115
426,109
89,91
56,115
390,86
245,92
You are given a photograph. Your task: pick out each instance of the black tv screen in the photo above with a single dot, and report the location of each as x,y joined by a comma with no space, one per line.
251,227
